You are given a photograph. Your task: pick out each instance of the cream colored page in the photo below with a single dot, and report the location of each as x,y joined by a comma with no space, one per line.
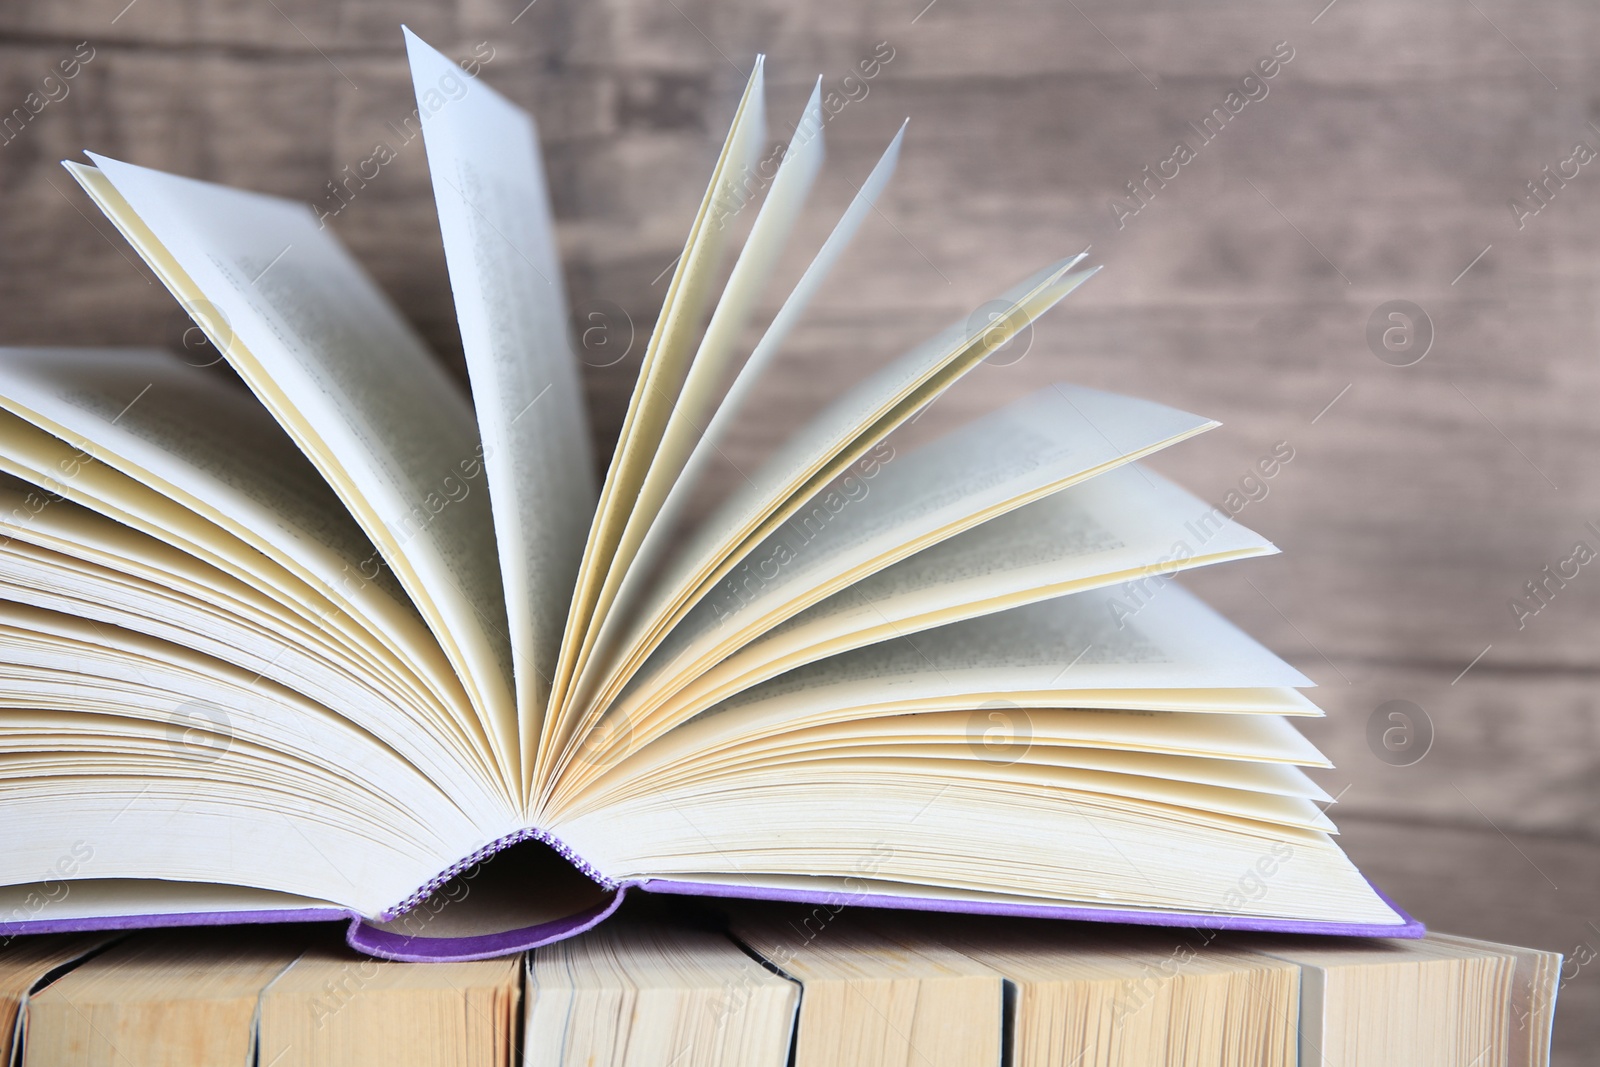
85,538
710,741
1201,802
959,743
883,512
1087,641
930,831
717,742
853,412
176,716
661,375
81,666
184,604
210,827
737,399
821,451
824,450
667,526
62,526
1046,767
214,450
499,242
39,458
1117,524
655,515
1069,652
353,385
196,439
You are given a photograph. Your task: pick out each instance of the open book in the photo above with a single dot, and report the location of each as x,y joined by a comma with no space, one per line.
324,650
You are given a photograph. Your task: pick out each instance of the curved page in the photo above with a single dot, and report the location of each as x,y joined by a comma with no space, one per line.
355,388
499,243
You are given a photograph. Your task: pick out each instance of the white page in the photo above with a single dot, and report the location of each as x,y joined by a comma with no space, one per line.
1036,446
818,453
659,539
194,616
90,536
1072,652
651,522
199,441
355,387
713,745
873,768
1101,531
77,663
827,742
29,520
737,399
499,242
37,457
213,450
1027,654
661,377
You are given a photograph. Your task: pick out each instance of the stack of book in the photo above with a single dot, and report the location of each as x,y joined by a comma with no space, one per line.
759,985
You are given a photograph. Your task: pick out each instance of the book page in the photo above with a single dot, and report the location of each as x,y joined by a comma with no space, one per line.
38,458
1085,651
354,387
661,375
820,452
898,506
214,451
736,401
199,439
1090,640
711,746
31,521
948,736
1202,802
1125,525
661,536
930,831
1071,652
269,596
650,523
202,609
70,666
1270,775
511,305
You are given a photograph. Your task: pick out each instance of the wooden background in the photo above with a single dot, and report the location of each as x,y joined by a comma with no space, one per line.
1380,166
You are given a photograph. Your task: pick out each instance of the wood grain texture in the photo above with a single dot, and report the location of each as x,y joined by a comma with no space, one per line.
1378,166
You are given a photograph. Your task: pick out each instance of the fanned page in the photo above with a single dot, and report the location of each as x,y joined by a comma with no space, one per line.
1097,811
1077,651
67,559
636,550
822,451
665,525
155,443
354,386
891,508
661,379
1125,524
213,450
499,241
656,530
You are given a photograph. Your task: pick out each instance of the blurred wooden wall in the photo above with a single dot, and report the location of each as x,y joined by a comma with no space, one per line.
1379,165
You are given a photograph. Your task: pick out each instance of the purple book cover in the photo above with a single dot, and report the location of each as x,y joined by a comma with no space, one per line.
390,936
